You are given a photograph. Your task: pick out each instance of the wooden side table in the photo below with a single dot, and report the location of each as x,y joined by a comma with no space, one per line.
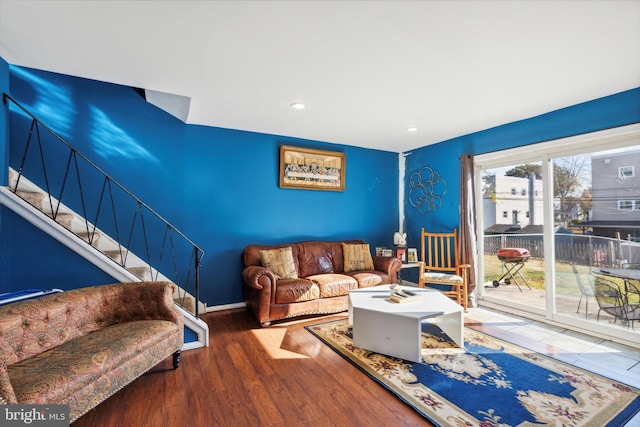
405,266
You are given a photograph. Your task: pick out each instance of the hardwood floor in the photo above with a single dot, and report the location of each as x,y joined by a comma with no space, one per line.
285,376
254,376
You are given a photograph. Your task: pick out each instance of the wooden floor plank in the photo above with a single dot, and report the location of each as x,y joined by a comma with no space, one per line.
249,375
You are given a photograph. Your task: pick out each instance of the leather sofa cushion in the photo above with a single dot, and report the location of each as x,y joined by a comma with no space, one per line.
310,257
315,258
334,285
296,290
366,279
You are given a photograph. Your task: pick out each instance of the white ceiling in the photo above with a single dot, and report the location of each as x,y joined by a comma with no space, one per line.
367,70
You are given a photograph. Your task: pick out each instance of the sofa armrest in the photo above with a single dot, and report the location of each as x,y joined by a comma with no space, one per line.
134,301
259,278
166,306
7,395
388,264
259,291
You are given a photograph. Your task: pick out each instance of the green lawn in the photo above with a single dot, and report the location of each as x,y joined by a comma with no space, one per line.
533,270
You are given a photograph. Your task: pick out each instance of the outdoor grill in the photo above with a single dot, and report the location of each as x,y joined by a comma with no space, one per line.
513,260
518,255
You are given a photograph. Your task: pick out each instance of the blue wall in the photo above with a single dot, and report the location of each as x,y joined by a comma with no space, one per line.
38,261
603,113
4,135
218,186
4,130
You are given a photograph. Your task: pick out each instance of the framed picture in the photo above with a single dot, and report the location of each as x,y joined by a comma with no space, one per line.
311,169
412,255
401,254
379,251
387,252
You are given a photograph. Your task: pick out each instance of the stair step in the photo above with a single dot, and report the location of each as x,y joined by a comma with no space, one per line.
188,303
63,219
33,198
141,272
115,255
85,236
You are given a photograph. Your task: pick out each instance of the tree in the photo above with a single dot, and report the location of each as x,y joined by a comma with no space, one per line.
585,199
569,173
489,186
565,182
524,171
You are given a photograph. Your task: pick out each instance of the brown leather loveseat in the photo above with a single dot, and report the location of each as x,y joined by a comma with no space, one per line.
312,277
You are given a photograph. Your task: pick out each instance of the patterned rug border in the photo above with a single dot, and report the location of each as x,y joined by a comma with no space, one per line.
624,416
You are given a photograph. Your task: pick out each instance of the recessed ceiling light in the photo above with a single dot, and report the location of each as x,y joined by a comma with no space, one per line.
298,106
412,129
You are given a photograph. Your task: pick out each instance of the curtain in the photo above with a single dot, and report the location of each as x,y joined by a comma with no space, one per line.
468,242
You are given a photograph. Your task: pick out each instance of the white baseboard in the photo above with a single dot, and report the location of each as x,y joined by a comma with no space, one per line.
223,307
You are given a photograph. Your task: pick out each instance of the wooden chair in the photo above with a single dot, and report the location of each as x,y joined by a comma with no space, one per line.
440,266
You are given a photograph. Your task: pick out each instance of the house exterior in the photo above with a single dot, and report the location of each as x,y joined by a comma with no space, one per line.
513,201
615,195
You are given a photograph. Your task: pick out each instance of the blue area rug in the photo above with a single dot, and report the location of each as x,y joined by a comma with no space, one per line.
491,383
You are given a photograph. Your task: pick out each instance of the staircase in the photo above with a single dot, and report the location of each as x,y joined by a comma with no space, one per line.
163,246
31,203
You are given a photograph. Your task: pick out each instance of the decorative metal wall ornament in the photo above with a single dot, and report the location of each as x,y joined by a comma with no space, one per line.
426,188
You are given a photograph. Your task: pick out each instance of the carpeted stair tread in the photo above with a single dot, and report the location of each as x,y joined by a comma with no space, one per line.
33,198
141,272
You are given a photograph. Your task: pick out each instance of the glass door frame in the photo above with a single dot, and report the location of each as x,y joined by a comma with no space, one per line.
545,152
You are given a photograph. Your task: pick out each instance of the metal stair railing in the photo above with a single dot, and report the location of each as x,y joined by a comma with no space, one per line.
114,210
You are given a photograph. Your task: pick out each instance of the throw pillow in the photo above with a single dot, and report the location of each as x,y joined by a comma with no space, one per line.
280,261
357,257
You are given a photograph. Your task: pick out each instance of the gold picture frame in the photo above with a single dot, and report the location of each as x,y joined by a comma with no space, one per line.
310,169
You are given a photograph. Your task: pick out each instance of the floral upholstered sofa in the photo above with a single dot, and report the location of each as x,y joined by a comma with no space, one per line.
81,346
312,277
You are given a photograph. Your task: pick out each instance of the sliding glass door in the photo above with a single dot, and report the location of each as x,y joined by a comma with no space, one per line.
513,257
599,209
555,221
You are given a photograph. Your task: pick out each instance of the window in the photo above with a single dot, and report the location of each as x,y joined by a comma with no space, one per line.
527,214
505,214
626,172
523,192
625,205
513,191
628,205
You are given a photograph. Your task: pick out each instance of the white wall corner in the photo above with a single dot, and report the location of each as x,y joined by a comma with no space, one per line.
401,181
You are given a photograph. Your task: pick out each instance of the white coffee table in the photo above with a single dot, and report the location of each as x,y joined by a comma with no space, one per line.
395,329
